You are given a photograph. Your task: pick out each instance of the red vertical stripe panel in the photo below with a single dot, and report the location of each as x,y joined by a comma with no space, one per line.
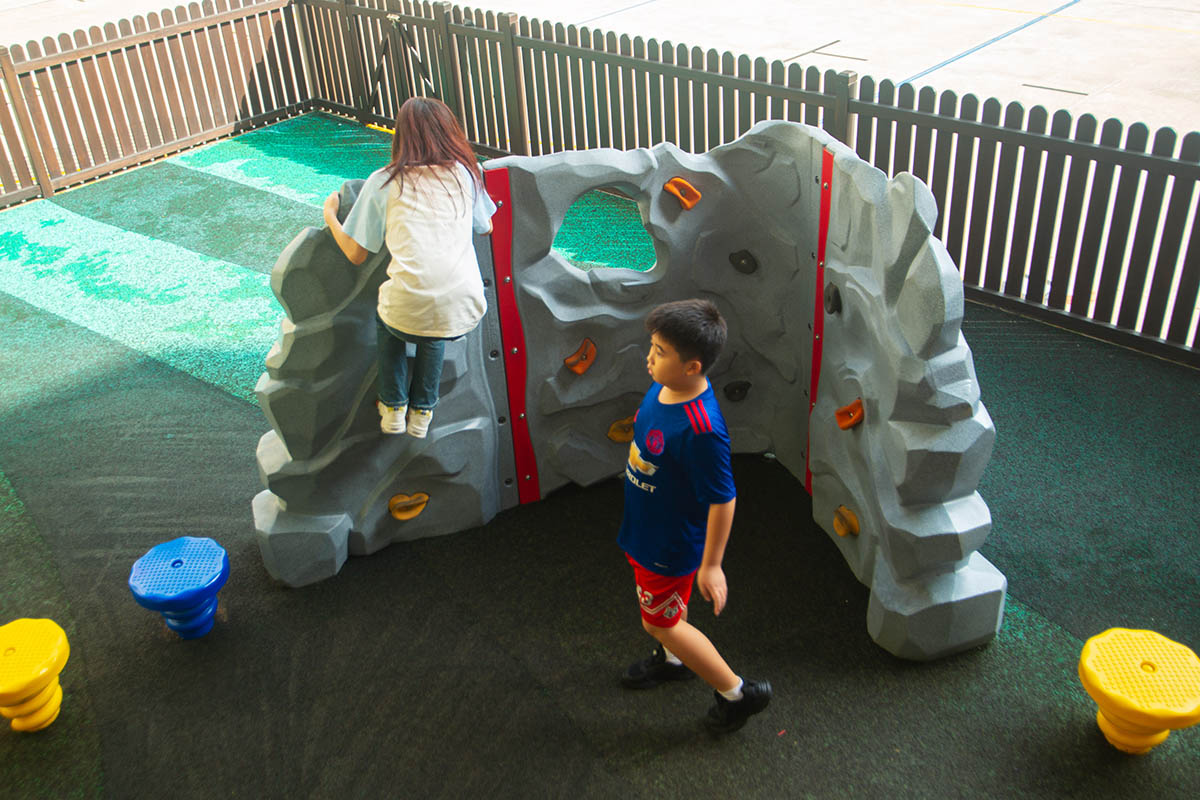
512,334
819,305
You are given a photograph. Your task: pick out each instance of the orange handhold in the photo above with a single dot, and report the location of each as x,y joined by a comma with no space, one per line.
405,507
583,358
851,415
621,431
688,195
845,522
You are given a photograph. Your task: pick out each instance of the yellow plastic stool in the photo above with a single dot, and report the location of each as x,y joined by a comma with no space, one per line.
32,653
1145,685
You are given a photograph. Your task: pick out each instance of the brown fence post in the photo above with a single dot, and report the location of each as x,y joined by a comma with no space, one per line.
354,49
26,122
840,86
447,62
299,21
514,93
399,52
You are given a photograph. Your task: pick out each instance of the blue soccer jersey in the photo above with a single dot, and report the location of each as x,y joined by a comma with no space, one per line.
678,466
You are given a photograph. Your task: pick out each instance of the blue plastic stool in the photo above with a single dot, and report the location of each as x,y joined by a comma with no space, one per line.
180,580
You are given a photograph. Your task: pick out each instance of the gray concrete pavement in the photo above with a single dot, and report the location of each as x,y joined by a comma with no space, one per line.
1137,60
23,20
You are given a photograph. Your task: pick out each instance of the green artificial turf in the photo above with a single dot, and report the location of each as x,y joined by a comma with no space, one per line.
1093,481
201,213
210,318
301,159
603,230
64,760
30,584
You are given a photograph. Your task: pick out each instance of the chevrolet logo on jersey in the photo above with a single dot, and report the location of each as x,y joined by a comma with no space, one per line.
637,462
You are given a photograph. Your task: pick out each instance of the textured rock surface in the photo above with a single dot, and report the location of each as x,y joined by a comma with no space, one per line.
329,472
908,471
758,196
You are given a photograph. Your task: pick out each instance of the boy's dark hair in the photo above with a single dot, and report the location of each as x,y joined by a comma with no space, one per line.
695,328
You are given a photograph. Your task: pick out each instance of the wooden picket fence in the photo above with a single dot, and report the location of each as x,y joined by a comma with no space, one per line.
1044,218
85,105
1069,220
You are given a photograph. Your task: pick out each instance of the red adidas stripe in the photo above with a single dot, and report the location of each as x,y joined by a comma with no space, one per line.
698,417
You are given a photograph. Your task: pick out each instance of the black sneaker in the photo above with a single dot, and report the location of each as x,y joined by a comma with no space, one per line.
726,716
650,672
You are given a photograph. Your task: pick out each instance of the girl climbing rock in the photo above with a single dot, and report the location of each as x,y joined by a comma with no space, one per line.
424,206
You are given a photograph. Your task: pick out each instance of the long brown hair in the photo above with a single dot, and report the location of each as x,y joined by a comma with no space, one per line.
427,134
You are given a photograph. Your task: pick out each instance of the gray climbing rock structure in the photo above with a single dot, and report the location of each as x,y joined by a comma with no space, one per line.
334,484
845,360
908,471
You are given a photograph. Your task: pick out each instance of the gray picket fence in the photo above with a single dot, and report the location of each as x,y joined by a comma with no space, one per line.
1088,225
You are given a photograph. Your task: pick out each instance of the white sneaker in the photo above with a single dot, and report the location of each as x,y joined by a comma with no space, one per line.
391,418
418,422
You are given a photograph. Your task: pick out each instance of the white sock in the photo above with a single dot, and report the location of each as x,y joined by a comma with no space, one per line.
671,657
734,694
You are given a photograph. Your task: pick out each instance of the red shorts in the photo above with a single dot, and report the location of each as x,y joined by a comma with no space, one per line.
663,598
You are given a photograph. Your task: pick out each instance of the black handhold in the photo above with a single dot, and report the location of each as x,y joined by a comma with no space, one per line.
743,262
833,299
736,392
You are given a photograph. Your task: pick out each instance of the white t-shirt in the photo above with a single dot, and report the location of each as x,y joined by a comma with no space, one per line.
434,287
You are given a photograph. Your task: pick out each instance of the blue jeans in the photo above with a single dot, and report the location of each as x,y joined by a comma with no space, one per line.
393,368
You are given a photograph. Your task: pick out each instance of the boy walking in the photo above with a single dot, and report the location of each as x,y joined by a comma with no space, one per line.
679,501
